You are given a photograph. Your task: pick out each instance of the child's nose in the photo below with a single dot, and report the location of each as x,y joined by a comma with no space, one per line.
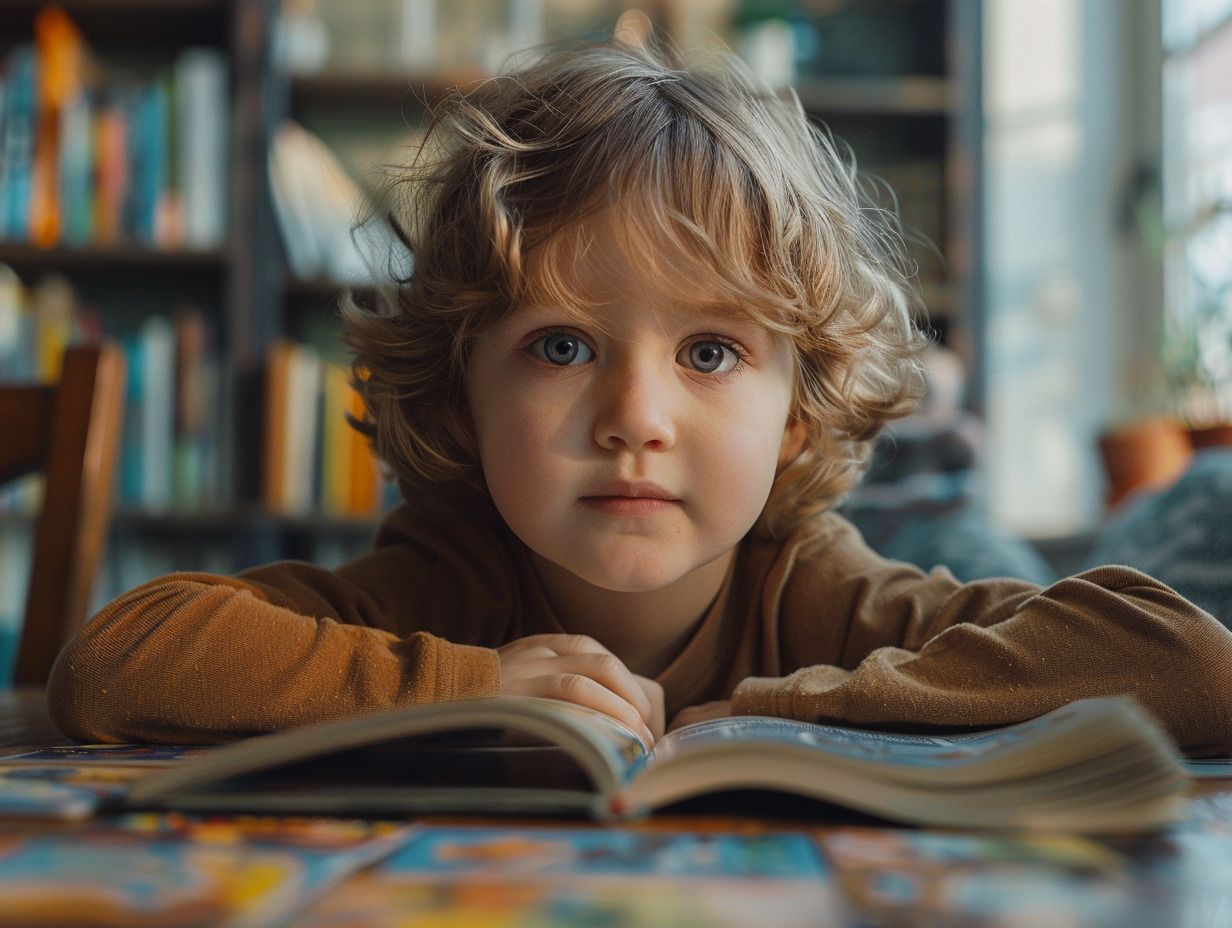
635,410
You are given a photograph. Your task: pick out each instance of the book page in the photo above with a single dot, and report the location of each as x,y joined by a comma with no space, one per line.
917,750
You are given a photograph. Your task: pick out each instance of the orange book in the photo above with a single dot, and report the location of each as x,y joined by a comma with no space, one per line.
62,62
274,424
110,173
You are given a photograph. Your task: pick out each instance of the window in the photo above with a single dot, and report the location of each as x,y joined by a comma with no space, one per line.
1197,76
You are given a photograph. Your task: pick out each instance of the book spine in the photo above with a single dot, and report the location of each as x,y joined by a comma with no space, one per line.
110,171
17,144
196,408
297,240
76,164
13,359
302,430
335,443
273,424
61,51
202,127
131,458
365,484
54,310
158,412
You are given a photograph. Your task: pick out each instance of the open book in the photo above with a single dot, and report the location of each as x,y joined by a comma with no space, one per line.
1096,766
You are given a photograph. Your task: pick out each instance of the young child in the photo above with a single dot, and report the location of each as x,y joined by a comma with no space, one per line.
652,330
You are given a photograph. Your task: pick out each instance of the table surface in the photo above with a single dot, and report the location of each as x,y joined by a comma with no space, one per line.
655,872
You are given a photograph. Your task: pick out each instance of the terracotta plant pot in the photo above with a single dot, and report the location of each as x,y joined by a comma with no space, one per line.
1146,455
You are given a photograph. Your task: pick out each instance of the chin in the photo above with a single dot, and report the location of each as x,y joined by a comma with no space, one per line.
645,579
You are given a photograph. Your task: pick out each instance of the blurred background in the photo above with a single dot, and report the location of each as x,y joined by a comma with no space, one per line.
182,175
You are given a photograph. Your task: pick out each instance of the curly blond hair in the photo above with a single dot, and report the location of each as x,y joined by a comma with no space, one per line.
726,171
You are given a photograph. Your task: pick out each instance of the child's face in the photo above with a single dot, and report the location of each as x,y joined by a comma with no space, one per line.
637,446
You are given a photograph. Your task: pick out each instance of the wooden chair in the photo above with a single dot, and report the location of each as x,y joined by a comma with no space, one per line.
69,431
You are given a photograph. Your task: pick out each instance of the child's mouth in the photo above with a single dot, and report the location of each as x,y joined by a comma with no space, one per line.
630,499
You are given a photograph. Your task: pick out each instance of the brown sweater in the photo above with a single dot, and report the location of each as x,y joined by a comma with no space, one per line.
813,627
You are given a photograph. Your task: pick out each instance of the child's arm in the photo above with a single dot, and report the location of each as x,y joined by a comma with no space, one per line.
878,643
197,658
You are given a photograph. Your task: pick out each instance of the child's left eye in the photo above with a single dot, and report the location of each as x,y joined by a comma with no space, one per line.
561,349
709,357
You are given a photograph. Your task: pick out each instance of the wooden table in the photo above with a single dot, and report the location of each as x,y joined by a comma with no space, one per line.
864,873
24,722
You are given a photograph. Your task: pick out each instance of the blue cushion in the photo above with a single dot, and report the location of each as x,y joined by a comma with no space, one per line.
1182,536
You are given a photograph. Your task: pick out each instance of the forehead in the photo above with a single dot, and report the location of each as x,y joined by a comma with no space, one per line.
616,256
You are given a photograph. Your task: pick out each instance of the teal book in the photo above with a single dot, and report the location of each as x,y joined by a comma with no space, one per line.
17,143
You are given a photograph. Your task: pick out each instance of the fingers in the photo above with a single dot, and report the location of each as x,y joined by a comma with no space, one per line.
577,654
578,669
654,693
583,691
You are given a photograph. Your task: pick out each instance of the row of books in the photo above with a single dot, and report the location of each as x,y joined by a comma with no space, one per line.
173,425
37,323
313,459
89,157
176,397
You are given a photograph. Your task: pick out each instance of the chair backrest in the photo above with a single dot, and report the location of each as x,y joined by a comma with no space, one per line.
70,431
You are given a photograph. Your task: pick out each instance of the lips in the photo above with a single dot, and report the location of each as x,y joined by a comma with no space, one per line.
630,499
631,489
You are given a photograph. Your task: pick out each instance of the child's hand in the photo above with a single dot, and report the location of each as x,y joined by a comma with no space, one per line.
719,709
577,669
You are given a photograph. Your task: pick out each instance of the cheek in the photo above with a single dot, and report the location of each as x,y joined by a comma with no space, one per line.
515,451
747,460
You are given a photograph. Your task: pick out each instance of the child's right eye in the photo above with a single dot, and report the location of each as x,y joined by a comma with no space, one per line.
561,349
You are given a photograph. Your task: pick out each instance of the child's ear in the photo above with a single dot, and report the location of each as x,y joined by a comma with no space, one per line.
633,28
793,442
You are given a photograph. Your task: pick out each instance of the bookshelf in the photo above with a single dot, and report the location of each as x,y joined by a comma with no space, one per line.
910,113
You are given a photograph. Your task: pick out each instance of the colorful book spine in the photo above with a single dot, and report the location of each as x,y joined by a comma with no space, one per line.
110,170
61,51
147,162
197,411
202,114
17,144
149,420
76,165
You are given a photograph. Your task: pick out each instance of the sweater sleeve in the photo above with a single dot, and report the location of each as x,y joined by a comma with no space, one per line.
195,658
191,658
921,650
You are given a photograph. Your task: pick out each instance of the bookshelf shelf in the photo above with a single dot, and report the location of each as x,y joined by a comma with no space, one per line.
890,96
120,257
376,91
113,24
